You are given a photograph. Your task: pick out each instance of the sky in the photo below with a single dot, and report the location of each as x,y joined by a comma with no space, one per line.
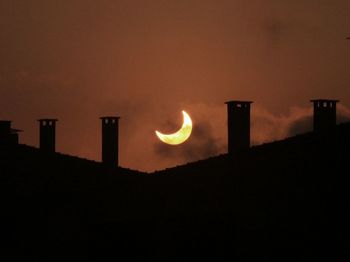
146,61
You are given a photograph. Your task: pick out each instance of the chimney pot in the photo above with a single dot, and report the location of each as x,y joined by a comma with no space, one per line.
325,114
238,113
110,143
47,134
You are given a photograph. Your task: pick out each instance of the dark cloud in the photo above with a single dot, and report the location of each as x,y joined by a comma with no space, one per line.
300,126
210,137
202,144
304,124
343,114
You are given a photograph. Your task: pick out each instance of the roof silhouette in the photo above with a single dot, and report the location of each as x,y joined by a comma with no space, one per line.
286,200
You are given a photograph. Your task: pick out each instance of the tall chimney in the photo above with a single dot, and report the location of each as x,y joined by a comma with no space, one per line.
48,134
325,114
110,141
238,113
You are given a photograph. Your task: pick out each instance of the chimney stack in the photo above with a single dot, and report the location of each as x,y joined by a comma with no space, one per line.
325,114
48,134
8,136
110,126
238,113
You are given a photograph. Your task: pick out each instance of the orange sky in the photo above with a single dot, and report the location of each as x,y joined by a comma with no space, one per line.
147,60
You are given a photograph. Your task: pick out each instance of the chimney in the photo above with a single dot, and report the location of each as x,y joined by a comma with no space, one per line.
325,114
48,134
8,136
238,113
110,126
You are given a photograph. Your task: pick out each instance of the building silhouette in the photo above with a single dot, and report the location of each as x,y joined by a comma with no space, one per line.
238,121
110,126
284,200
47,135
325,114
8,135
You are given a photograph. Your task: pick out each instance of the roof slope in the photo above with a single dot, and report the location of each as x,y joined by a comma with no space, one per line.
286,200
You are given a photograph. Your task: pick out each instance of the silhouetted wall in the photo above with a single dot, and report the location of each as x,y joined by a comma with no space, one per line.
48,134
8,136
238,113
110,141
5,127
325,114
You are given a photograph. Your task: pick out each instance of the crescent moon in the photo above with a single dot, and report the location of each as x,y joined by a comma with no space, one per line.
179,136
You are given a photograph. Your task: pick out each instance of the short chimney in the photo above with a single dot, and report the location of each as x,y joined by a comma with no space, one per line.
8,135
238,113
110,125
48,134
325,114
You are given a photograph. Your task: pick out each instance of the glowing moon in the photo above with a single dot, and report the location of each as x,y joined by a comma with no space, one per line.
181,135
